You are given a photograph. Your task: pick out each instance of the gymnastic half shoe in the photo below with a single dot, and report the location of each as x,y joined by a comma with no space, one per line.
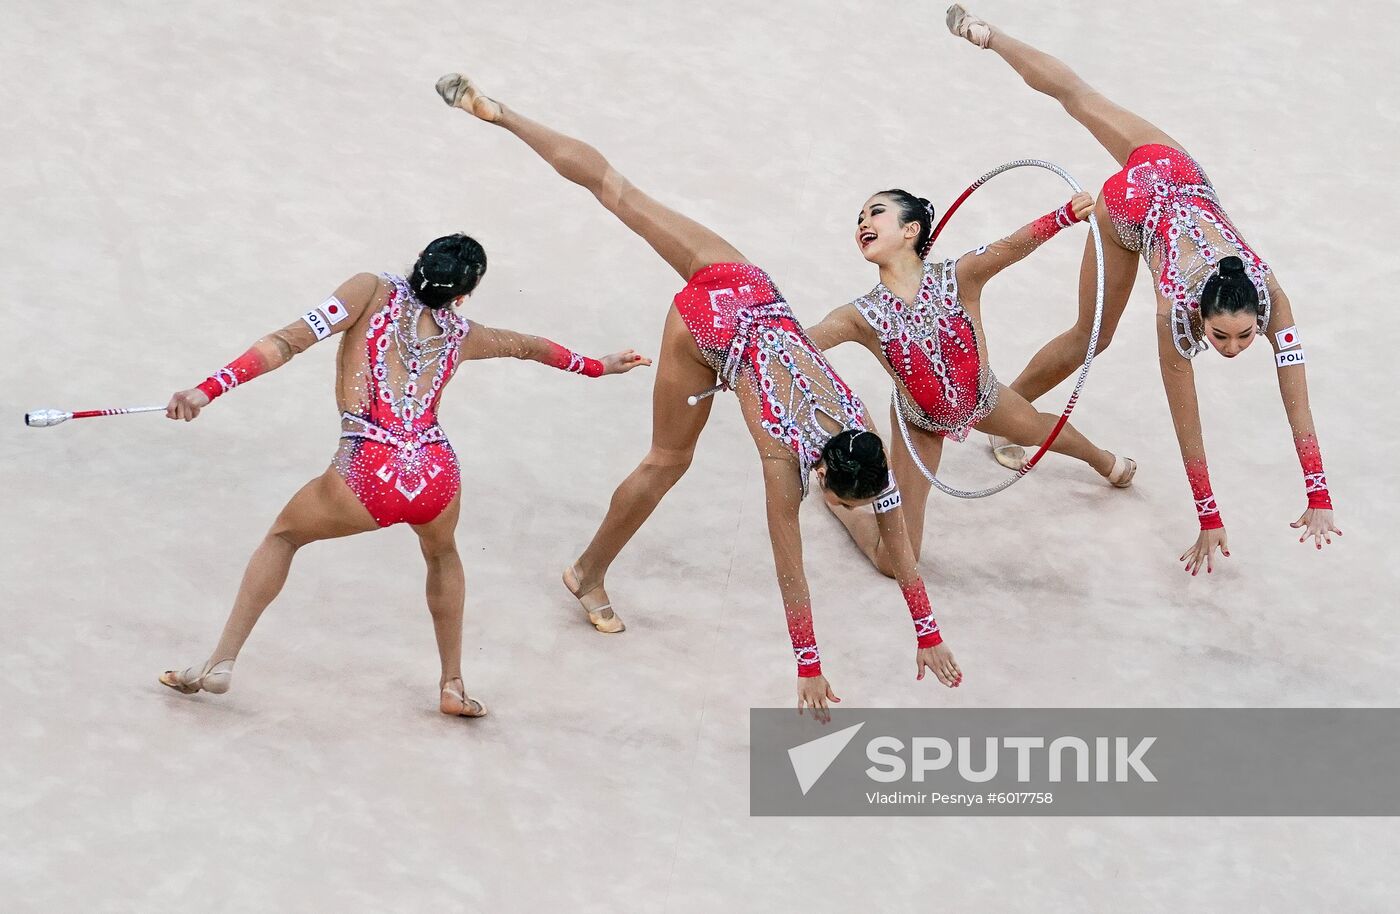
213,677
1012,456
1124,469
457,703
965,25
460,92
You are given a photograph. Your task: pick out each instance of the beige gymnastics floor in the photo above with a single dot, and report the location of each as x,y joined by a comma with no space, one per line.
181,178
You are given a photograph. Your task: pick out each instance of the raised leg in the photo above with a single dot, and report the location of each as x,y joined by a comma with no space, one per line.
682,242
1117,129
675,430
1060,357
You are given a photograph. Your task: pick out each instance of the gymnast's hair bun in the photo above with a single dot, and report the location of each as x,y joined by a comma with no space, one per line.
1231,266
1229,290
449,267
856,465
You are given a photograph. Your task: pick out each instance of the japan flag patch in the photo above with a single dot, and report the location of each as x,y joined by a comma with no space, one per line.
1287,338
334,311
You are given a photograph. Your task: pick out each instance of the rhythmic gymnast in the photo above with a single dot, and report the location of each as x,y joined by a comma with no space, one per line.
730,321
403,341
924,323
1212,290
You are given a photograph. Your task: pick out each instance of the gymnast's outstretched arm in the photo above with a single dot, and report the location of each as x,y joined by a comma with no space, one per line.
494,343
1317,520
1179,381
843,325
782,484
932,652
975,269
337,313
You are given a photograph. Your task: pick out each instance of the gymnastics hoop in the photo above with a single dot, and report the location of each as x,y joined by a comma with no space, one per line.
1088,357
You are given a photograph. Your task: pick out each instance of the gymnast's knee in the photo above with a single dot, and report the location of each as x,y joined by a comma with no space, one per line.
286,535
1079,337
667,463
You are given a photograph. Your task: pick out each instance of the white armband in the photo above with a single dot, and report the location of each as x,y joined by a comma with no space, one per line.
325,316
888,500
1289,357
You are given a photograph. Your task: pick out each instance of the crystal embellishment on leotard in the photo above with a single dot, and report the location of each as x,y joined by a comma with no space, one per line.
924,626
1205,507
1176,233
925,327
765,338
402,414
806,656
1314,482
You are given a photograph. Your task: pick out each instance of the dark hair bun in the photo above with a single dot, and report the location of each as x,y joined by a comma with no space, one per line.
449,267
856,465
1229,290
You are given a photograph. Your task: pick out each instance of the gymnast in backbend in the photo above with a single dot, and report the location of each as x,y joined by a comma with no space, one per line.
1213,291
403,340
730,322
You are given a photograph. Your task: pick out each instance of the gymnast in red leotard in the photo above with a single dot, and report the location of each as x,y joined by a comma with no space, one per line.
1213,290
730,322
923,321
403,341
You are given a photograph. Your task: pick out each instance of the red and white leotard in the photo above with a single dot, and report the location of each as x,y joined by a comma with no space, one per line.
397,459
1164,206
748,334
393,454
744,328
931,344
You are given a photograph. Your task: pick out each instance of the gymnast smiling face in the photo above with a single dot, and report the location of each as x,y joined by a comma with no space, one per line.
892,224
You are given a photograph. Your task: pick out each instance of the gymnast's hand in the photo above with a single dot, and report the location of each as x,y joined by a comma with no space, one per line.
939,661
186,404
1318,523
1081,204
624,361
1203,552
814,692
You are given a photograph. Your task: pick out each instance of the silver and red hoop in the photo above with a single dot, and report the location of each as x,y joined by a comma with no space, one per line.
1088,356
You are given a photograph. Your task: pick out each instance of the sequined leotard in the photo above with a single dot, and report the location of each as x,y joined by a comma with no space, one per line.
748,334
395,457
389,381
931,345
1164,206
746,331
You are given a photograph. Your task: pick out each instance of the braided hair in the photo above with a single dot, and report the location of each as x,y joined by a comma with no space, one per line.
856,466
914,209
1229,290
449,266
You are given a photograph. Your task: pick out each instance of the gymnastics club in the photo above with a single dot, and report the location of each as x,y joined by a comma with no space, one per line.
47,418
694,399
